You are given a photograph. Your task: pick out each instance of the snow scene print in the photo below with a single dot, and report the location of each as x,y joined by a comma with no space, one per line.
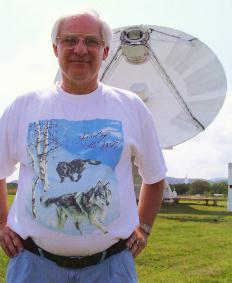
74,189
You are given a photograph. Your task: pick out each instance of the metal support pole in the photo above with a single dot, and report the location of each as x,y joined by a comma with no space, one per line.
229,201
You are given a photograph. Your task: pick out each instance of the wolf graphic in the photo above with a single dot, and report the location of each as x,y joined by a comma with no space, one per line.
76,166
82,207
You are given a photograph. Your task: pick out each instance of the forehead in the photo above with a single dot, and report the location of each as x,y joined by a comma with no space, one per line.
80,24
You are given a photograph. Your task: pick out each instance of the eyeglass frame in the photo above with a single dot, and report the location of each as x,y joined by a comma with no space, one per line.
81,36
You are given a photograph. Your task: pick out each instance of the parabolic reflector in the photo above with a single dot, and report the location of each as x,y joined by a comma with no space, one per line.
177,76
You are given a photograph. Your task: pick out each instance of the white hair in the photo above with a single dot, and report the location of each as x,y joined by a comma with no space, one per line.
106,31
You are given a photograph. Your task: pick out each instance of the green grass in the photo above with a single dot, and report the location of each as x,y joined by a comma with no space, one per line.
189,243
3,258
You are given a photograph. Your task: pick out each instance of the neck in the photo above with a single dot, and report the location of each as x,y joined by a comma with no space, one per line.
79,89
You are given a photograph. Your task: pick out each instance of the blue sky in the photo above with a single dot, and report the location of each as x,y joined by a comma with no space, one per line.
27,60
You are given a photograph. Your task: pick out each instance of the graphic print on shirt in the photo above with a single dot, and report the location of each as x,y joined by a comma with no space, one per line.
74,189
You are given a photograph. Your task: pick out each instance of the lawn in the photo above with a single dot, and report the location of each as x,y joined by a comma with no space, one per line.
189,243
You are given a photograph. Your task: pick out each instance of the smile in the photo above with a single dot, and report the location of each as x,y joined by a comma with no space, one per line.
79,61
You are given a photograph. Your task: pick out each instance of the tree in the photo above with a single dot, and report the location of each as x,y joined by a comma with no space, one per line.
43,141
200,187
220,188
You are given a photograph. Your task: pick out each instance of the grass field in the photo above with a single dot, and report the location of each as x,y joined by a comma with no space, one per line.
189,243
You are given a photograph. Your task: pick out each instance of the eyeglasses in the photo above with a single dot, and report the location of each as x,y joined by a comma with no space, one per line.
69,41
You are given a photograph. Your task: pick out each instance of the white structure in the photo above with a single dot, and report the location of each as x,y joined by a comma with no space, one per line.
177,76
229,201
168,193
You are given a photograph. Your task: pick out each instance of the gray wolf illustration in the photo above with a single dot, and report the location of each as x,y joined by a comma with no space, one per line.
76,166
82,207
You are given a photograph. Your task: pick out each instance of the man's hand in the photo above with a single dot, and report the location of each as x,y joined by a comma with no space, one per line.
10,242
150,200
137,241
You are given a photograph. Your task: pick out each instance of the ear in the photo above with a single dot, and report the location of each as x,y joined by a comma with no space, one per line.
105,53
92,196
99,183
55,50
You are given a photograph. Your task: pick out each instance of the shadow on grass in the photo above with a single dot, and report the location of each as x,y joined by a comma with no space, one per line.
194,219
192,212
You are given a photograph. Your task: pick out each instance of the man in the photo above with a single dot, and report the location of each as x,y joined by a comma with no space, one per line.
74,218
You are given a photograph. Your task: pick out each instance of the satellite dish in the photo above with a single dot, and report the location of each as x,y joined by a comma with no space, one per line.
177,76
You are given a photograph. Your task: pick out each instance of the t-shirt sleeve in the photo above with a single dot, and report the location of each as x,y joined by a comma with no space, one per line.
148,155
7,160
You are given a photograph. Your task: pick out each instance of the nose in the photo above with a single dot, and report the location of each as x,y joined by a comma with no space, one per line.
80,47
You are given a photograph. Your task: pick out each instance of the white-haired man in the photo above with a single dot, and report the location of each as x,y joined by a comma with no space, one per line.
74,218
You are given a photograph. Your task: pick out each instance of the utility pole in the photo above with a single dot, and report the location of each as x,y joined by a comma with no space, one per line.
229,201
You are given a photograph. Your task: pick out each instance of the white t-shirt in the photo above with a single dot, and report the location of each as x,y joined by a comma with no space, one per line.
75,193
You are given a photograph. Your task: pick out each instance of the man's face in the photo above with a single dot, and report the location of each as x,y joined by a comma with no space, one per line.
80,64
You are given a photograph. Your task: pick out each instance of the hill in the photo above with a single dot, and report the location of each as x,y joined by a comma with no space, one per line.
173,180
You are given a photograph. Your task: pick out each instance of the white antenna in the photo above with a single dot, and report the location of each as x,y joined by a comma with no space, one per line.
186,180
177,76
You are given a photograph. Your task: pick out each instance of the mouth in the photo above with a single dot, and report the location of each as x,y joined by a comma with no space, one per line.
79,60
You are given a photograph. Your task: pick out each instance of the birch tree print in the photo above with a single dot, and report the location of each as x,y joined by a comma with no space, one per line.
43,141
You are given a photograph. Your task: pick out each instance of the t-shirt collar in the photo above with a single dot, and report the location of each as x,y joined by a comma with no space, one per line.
77,97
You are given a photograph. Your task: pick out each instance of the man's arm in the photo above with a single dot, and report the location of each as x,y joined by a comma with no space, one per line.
9,241
150,200
3,203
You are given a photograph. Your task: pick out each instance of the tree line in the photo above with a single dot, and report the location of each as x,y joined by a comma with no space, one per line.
201,187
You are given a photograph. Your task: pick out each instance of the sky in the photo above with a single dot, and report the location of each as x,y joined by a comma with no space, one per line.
27,61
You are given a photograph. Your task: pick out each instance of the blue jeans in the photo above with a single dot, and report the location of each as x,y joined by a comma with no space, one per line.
30,268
